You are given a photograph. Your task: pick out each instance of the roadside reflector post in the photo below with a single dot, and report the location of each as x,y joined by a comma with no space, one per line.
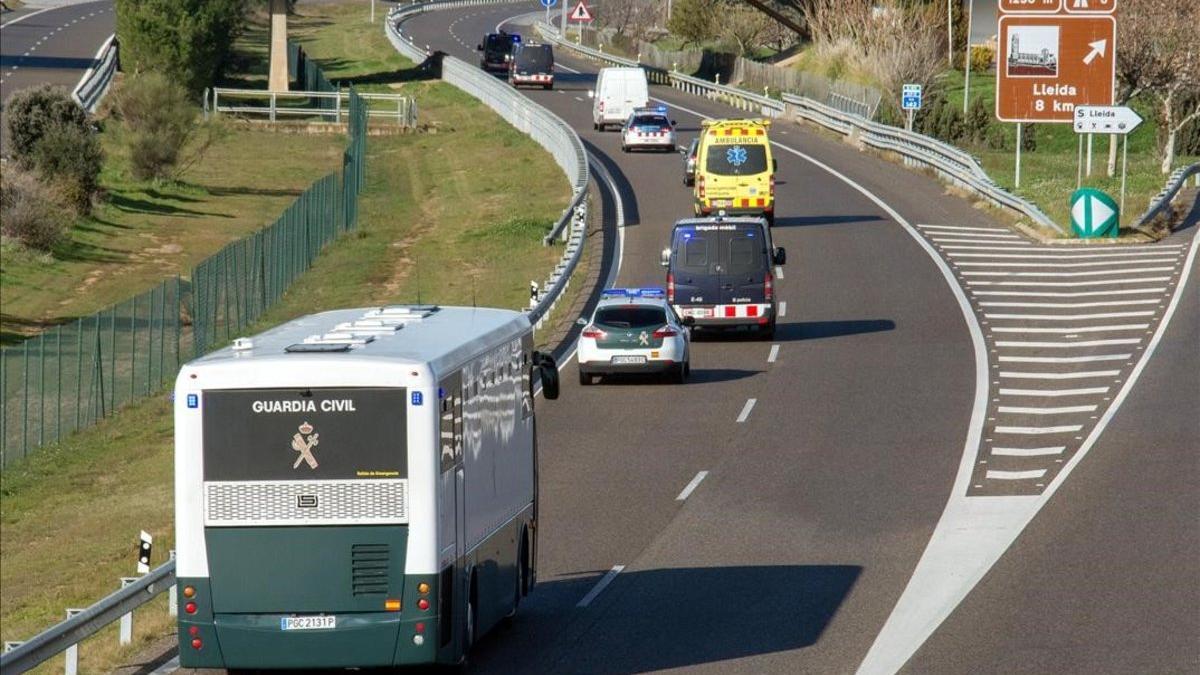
1124,163
126,633
172,598
71,666
1017,180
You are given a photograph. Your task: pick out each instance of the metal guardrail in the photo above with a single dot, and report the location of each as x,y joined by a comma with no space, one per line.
953,164
543,126
1175,183
83,625
94,83
401,108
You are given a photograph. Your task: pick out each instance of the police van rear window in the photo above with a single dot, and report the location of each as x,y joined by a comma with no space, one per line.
736,160
714,249
631,317
539,59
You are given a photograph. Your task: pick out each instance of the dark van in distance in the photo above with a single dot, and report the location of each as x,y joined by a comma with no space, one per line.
497,50
720,273
532,64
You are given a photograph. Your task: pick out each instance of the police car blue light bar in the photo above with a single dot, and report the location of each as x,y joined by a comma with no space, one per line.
633,293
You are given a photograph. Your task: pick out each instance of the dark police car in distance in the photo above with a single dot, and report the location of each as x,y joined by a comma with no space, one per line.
497,50
719,273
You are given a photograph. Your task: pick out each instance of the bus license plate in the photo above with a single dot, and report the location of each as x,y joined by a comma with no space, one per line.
721,202
628,360
307,622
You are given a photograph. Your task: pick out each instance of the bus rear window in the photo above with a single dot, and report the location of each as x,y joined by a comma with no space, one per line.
304,434
736,160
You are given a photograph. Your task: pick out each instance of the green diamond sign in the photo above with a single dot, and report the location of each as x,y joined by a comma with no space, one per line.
1093,214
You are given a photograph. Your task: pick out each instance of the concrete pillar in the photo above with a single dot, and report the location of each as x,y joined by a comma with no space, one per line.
278,80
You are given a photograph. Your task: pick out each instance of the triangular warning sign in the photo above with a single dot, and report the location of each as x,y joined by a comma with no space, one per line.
581,12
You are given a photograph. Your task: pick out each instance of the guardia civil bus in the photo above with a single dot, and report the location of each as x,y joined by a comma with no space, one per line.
357,488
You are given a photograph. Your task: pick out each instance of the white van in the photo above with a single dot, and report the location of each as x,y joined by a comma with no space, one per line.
618,91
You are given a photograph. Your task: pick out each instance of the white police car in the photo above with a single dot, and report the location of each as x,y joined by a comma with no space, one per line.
648,128
634,330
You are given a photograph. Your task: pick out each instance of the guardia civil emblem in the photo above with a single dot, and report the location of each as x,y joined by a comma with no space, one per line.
303,443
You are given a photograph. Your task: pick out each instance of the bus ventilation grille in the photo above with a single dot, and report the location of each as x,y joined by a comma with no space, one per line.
369,569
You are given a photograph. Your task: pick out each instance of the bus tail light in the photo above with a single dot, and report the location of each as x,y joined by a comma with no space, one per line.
420,627
194,631
423,603
769,287
391,605
189,591
197,644
190,608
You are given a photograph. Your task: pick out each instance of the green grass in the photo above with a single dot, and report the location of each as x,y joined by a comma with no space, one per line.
145,232
1049,173
72,512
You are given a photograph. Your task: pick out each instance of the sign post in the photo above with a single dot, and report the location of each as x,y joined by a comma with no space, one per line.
548,4
910,101
1107,119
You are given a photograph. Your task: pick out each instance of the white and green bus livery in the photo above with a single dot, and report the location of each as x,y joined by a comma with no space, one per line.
357,488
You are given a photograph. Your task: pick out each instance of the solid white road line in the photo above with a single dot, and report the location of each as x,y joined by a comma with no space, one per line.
1123,258
1072,284
963,229
691,486
1015,475
1036,431
1008,248
1054,392
600,586
19,19
1067,317
778,272
1080,294
774,354
1134,270
1007,241
1059,376
1069,345
1076,329
1028,452
1072,305
746,410
1062,265
1022,410
1064,359
783,308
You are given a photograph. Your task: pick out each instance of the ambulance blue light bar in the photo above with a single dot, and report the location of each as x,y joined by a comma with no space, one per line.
633,293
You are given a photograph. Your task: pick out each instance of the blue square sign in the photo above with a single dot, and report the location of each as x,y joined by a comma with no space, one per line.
910,97
417,398
193,400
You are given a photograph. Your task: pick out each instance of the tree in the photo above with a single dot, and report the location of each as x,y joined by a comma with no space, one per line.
694,20
1158,55
742,26
32,111
186,40
159,120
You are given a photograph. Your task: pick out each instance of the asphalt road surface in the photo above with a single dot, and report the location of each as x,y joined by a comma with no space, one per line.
51,45
828,469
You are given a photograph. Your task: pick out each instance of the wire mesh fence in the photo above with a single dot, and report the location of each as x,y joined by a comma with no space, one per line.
75,374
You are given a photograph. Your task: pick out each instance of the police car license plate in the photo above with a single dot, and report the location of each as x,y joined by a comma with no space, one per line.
628,360
307,622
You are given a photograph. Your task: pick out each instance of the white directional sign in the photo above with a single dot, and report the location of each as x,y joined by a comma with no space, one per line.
1105,119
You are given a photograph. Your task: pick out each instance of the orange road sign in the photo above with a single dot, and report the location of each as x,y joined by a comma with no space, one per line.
1048,64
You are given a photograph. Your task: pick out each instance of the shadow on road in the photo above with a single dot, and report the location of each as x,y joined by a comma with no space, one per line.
807,221
56,62
813,330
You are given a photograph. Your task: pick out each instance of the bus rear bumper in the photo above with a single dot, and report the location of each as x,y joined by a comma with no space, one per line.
257,641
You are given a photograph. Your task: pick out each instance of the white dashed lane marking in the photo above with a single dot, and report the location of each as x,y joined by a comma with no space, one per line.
690,487
745,414
600,586
774,354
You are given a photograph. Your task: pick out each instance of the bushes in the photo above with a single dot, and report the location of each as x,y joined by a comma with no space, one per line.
188,41
159,121
30,210
52,135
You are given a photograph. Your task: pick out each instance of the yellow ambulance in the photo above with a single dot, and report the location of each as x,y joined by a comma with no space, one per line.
735,173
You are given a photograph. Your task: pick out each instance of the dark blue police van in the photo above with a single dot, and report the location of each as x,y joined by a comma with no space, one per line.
720,273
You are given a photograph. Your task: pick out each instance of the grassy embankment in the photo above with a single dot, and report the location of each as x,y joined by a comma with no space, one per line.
72,512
